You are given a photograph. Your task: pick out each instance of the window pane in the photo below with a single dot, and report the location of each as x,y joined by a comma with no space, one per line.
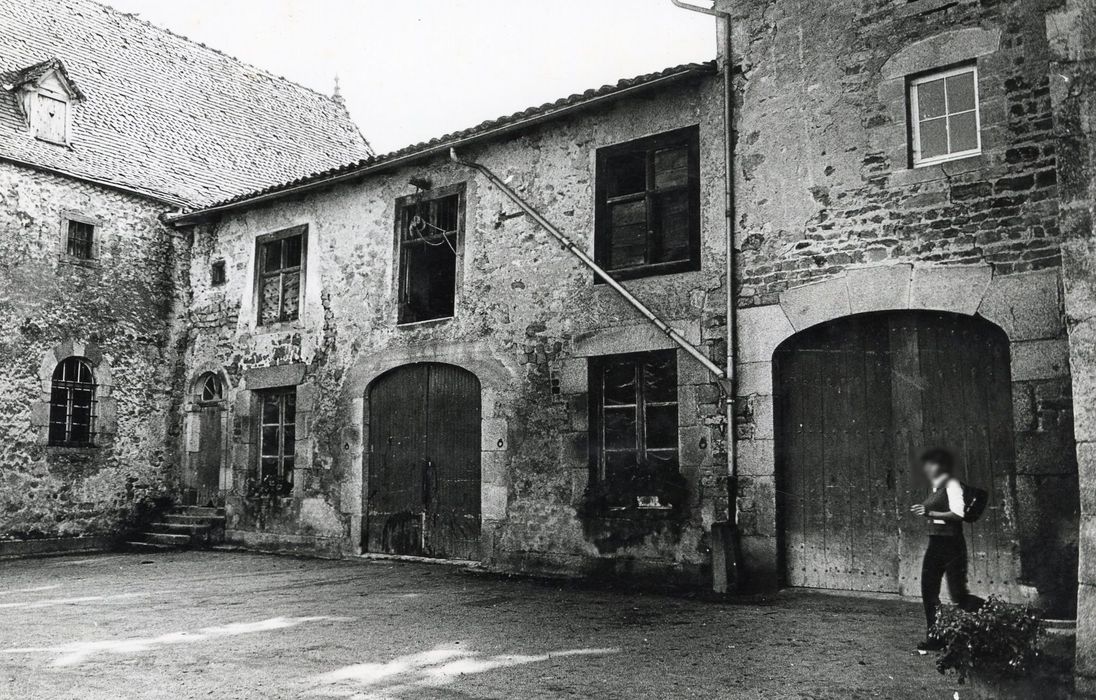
272,256
445,214
620,383
290,400
627,174
672,215
660,377
628,234
271,412
270,299
619,465
289,435
934,138
268,469
964,132
270,440
620,428
662,427
291,296
930,99
960,92
672,167
292,248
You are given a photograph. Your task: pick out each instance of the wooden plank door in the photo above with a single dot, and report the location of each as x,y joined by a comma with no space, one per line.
857,401
208,467
836,481
423,494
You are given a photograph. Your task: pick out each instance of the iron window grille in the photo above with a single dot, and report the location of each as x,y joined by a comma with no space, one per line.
277,441
80,240
647,217
72,409
281,258
634,424
429,228
945,123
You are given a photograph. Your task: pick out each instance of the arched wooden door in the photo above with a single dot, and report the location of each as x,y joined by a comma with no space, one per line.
204,476
423,492
856,401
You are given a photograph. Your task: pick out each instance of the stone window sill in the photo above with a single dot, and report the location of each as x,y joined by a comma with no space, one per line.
940,171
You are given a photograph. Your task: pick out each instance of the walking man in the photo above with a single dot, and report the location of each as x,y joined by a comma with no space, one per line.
946,555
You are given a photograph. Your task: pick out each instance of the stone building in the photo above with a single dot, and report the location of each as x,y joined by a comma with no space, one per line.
107,123
391,354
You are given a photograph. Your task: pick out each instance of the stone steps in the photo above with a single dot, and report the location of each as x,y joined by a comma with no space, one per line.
185,527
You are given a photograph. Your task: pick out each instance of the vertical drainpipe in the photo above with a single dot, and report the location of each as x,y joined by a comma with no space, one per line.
730,545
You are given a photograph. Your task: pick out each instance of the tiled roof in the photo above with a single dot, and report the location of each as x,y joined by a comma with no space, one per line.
487,129
161,114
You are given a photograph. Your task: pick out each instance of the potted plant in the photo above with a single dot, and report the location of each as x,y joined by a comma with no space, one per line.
995,651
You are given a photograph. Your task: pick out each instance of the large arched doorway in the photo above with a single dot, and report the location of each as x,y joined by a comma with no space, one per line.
423,492
856,400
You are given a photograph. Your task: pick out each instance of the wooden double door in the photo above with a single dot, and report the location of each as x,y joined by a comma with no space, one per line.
856,401
423,488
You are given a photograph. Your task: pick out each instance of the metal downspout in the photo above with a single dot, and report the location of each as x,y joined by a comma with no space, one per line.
579,253
731,383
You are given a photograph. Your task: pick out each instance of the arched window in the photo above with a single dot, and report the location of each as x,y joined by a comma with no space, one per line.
210,388
72,404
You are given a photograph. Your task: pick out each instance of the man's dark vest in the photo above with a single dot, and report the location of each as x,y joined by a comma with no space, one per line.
938,502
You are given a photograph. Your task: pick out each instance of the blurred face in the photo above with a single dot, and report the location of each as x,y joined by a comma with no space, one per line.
933,470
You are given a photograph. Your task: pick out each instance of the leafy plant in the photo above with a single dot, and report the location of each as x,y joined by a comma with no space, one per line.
999,638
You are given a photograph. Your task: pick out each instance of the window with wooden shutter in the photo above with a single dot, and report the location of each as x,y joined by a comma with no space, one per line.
429,226
50,118
634,425
280,265
648,205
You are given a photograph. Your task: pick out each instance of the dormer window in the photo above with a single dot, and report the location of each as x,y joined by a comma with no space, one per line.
46,94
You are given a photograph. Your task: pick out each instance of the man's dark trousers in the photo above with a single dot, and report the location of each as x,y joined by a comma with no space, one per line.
946,557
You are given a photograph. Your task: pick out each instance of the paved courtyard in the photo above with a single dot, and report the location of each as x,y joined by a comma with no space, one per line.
234,625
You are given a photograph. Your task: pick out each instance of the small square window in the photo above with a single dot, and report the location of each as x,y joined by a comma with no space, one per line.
648,205
217,273
80,240
944,119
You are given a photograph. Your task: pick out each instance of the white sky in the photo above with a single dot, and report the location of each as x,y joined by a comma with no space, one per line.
414,69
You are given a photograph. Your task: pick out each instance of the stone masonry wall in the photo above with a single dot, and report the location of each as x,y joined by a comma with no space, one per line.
828,201
116,311
528,315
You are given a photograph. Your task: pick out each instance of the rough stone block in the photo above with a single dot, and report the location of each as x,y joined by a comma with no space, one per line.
879,288
1086,631
1040,359
816,303
493,434
320,518
1086,473
493,501
756,457
941,49
1026,306
760,330
1086,564
1082,345
639,337
573,377
274,377
493,467
762,409
955,288
39,414
755,378
108,416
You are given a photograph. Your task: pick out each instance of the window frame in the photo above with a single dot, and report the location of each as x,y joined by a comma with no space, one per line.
688,136
281,395
261,273
402,204
70,387
597,367
97,226
912,110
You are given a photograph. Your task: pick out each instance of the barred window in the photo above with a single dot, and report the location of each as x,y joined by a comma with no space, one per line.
72,404
212,388
80,240
277,440
280,266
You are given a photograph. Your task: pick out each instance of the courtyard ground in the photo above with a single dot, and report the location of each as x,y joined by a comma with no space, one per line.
235,625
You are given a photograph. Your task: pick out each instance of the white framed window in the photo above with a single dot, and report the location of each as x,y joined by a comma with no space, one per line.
944,120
